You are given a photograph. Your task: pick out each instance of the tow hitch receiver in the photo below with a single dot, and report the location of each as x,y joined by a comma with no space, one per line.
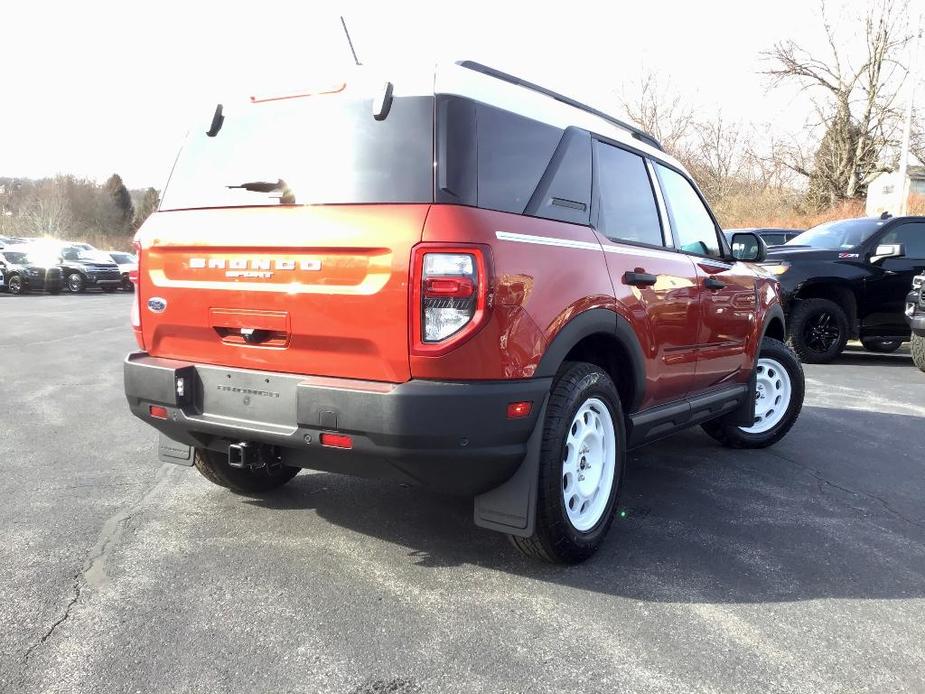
252,455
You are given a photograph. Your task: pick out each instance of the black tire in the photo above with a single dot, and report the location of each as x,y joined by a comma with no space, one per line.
75,283
108,289
733,436
818,330
215,468
555,539
881,345
917,347
16,285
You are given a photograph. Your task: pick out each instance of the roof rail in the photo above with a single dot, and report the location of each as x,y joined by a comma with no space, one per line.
638,133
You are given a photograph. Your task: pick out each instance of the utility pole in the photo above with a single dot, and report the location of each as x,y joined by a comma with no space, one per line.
903,186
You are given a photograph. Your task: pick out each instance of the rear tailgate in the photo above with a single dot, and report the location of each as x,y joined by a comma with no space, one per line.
320,290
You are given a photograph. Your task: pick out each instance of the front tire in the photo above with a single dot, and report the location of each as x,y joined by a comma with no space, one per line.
779,398
16,285
580,469
881,345
215,468
75,283
918,351
818,330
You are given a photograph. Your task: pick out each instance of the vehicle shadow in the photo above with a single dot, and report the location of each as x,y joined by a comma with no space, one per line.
858,356
819,515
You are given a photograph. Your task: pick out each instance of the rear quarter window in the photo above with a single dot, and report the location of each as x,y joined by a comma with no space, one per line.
498,160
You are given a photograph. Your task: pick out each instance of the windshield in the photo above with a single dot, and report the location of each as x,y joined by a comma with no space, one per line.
309,150
840,235
79,254
123,258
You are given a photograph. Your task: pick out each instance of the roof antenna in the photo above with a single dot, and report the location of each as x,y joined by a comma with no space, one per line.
349,42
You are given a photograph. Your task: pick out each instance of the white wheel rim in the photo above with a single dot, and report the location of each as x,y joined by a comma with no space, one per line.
589,458
772,397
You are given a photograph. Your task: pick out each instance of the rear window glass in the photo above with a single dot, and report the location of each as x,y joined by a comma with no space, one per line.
313,150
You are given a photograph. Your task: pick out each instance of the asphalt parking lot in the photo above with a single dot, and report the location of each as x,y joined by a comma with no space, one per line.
800,568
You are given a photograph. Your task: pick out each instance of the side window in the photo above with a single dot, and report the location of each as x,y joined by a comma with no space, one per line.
626,201
690,221
498,160
513,153
773,239
911,235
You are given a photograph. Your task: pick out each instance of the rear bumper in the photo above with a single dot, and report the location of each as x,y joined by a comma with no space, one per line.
449,436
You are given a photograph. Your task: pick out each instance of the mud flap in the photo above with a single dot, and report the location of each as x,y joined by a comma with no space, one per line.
511,507
744,415
170,451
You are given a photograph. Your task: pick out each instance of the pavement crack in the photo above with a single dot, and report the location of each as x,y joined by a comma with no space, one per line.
823,480
93,572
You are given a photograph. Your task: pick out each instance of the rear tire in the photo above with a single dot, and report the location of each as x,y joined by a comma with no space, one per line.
818,330
580,469
770,425
108,289
215,468
881,345
918,351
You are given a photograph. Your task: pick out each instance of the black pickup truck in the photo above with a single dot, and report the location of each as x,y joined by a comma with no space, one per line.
848,279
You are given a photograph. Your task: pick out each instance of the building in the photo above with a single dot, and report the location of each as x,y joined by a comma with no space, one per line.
884,192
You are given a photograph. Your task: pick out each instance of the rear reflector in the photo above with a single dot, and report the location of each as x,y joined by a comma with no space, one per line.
336,441
157,412
518,410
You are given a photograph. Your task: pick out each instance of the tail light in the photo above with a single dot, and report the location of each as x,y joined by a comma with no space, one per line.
449,296
136,304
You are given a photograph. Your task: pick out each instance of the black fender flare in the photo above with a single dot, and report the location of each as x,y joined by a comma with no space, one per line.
598,321
773,311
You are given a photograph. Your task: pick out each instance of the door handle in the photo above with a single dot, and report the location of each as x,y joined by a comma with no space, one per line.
713,283
639,279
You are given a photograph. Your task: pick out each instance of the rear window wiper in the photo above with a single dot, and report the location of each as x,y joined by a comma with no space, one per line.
287,197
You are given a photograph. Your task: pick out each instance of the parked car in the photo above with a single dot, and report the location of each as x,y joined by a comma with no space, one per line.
487,323
128,264
771,236
84,269
848,279
915,316
22,271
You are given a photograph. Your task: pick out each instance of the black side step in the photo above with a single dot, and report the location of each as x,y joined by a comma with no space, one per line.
664,420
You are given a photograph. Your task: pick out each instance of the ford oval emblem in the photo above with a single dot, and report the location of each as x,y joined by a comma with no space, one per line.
156,304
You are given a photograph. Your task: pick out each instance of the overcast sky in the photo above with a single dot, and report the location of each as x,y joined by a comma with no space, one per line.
95,87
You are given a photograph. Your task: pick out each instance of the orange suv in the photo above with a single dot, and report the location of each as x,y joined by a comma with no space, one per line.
453,278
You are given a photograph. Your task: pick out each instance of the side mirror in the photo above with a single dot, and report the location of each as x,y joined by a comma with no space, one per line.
748,247
887,250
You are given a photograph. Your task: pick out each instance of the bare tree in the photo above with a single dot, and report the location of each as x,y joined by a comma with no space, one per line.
46,211
660,111
856,108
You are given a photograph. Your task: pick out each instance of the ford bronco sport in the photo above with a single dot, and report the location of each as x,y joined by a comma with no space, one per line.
456,279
